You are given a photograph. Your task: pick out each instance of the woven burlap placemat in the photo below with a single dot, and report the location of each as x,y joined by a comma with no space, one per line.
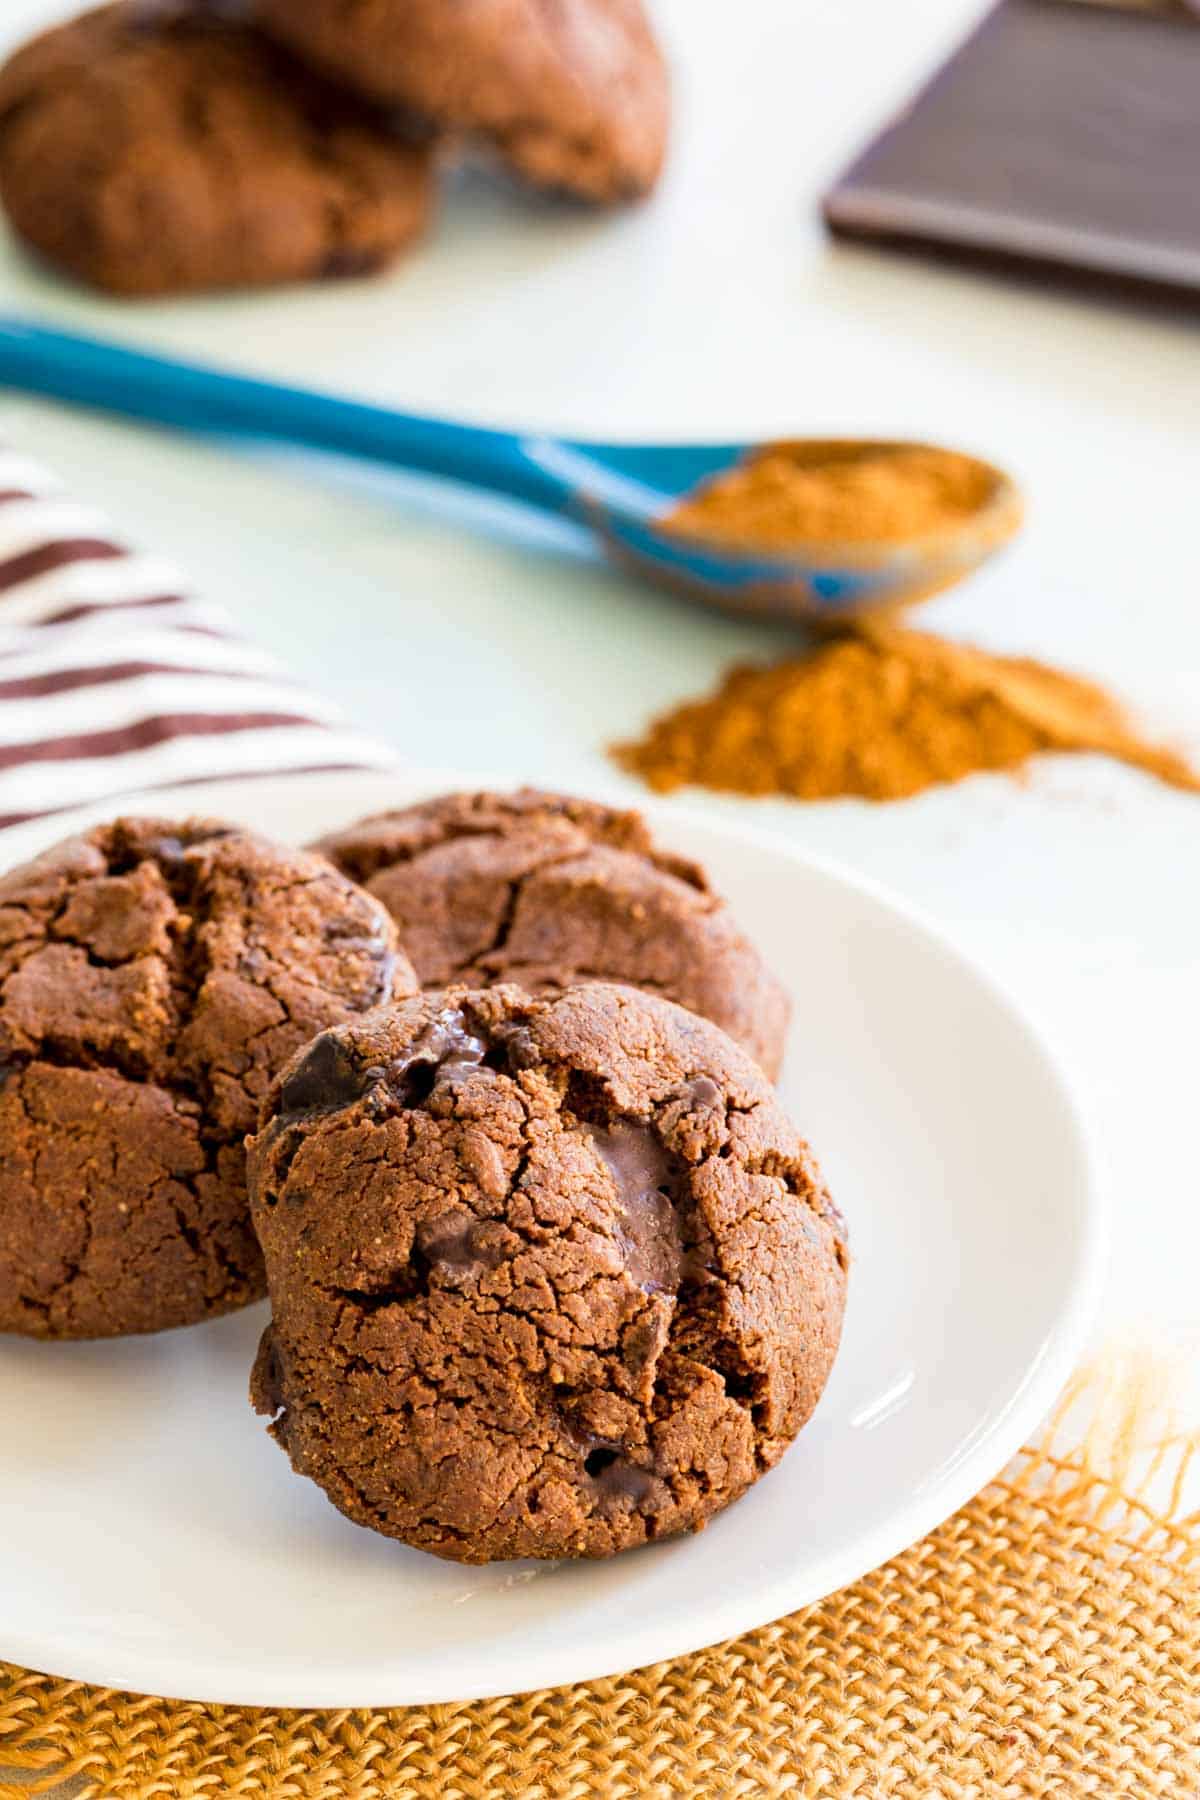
1044,1642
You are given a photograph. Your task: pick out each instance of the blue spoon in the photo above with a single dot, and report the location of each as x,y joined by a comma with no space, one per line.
623,492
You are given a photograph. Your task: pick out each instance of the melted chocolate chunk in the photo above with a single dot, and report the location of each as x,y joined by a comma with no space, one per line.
327,1078
612,1477
702,1090
696,1265
520,1050
445,1051
450,1244
649,1229
171,851
168,851
452,1046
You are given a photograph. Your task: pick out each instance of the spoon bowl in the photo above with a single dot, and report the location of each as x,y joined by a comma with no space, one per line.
623,493
818,582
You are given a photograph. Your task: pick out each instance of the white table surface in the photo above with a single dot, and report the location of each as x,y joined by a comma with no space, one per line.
720,310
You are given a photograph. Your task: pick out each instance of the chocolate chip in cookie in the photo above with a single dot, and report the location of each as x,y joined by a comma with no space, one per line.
548,891
154,978
574,94
153,148
548,1277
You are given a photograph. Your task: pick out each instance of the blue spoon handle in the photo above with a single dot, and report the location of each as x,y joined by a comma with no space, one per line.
96,373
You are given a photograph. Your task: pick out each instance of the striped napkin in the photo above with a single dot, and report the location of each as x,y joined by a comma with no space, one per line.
113,679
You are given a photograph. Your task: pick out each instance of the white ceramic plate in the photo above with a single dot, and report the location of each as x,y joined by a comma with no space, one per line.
153,1538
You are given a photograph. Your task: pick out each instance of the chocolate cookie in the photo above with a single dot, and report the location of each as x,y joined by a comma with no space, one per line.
154,977
548,1277
574,95
548,891
152,148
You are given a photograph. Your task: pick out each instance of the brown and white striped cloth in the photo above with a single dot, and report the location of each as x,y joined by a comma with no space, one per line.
114,680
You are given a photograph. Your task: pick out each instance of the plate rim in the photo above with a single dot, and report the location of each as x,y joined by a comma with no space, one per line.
554,1665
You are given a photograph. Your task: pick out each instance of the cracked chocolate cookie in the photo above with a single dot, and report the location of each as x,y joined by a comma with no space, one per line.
152,148
548,1277
573,93
548,891
154,978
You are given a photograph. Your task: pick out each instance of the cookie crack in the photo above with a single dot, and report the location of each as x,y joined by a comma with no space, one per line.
800,1185
516,887
507,917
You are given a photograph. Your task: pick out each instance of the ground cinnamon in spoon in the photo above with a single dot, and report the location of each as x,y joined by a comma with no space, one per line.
883,713
836,493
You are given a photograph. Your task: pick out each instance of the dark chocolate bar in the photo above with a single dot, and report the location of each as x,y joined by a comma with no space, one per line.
1059,135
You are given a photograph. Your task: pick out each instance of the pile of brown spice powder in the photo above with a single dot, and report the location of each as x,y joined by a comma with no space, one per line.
883,712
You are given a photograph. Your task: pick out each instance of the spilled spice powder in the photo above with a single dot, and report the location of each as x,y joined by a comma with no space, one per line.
883,712
837,493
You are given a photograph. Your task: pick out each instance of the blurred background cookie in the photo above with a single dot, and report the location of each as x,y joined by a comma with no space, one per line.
548,1278
156,149
548,891
154,978
574,96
